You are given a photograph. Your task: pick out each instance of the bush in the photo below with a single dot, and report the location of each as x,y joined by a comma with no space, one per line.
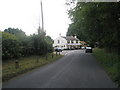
17,44
10,46
110,61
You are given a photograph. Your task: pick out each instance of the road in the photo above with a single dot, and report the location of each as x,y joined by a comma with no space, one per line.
76,69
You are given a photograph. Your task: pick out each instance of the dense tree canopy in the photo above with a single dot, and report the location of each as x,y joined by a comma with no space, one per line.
17,32
10,46
15,44
96,22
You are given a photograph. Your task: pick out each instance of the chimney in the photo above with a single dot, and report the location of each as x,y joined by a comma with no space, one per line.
60,34
75,36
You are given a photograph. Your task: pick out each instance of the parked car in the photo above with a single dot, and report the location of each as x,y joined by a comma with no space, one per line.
82,47
58,49
88,50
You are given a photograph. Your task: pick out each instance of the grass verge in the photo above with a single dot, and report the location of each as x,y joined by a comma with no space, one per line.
110,61
25,64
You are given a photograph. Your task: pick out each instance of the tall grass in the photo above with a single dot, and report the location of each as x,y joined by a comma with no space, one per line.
110,61
25,64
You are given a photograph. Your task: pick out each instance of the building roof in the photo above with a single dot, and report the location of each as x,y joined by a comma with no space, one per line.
68,38
83,42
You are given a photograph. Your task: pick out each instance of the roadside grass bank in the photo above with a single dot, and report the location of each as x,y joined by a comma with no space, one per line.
26,64
109,61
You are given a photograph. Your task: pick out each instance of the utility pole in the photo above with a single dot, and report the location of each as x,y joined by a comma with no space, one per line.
42,16
39,23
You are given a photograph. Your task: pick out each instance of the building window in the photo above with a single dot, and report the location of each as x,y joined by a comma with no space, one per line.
58,41
72,41
76,41
68,41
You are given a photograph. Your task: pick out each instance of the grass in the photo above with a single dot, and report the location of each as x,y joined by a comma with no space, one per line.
110,62
25,64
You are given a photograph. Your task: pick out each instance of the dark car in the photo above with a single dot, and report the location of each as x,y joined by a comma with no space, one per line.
58,50
88,50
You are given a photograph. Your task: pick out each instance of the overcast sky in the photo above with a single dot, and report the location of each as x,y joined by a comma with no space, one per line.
25,15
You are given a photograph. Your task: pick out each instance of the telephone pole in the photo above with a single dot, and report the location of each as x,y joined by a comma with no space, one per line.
42,16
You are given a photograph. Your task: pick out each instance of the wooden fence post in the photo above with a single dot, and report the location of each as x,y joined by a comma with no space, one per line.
46,57
52,55
37,59
56,53
59,52
16,64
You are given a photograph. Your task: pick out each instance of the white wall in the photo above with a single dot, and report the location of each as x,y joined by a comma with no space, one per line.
74,43
61,43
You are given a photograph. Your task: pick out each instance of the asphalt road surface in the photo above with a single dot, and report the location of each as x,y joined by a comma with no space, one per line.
76,69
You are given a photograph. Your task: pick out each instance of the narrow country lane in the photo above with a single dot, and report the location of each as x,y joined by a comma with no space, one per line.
76,69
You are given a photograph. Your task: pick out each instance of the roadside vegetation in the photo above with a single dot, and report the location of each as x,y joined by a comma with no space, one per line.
22,53
110,61
16,44
98,23
26,64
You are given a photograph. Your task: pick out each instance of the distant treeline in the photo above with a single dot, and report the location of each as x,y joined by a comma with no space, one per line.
96,23
16,44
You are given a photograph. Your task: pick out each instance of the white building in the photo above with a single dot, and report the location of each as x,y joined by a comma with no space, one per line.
68,42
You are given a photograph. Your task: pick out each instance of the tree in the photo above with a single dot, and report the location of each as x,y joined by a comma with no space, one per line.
10,46
49,41
96,22
17,32
17,44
